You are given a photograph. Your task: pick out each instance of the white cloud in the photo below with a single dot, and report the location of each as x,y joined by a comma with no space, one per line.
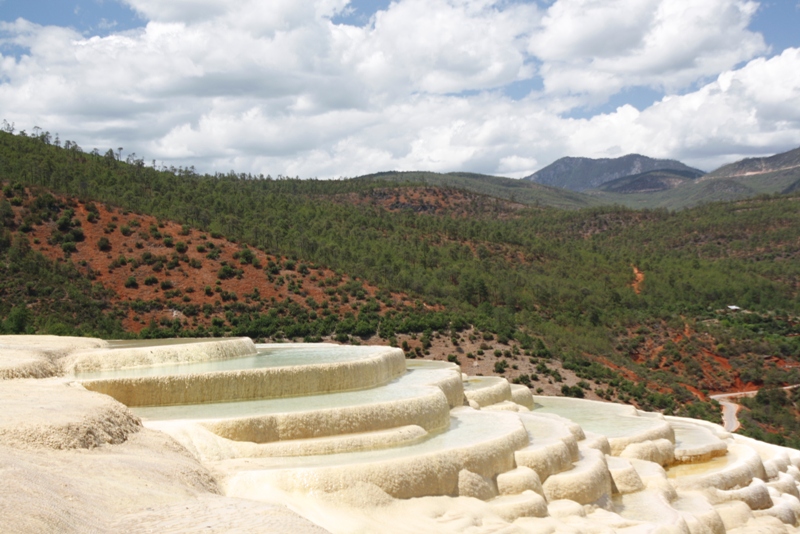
597,47
279,88
752,110
440,46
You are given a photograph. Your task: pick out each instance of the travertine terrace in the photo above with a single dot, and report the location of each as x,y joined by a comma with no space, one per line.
225,435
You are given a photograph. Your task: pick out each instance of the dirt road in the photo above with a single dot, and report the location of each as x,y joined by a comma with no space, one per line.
730,409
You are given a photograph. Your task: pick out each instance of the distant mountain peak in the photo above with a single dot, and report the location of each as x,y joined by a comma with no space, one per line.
580,174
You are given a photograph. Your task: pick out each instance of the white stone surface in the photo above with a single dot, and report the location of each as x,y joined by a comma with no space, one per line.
375,460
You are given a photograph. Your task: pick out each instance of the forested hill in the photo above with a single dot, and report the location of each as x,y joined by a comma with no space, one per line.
521,191
632,302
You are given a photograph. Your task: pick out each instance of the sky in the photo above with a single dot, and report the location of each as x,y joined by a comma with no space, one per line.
341,88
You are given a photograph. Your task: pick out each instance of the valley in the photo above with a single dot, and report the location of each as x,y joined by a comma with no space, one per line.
604,303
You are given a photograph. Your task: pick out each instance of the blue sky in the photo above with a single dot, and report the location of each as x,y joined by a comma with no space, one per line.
91,17
335,88
777,20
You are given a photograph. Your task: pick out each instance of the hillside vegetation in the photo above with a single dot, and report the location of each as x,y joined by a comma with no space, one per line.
633,303
521,191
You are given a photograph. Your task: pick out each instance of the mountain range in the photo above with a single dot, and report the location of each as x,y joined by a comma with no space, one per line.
633,180
671,189
580,174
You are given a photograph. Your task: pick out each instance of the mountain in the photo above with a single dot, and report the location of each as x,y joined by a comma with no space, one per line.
784,161
580,174
792,188
770,175
650,182
778,174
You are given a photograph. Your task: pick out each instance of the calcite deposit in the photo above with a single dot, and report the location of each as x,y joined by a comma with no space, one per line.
225,435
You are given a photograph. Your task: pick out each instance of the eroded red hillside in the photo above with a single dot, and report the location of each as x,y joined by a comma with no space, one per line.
169,267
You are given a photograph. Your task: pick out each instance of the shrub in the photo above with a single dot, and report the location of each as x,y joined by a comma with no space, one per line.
245,256
523,379
225,272
104,244
273,268
76,234
573,391
64,223
131,282
150,280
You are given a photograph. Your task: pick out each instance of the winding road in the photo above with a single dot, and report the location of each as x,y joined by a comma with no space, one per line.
730,409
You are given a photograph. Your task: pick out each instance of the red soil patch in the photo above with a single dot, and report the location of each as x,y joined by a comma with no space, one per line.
638,280
627,373
781,363
697,393
124,258
722,362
